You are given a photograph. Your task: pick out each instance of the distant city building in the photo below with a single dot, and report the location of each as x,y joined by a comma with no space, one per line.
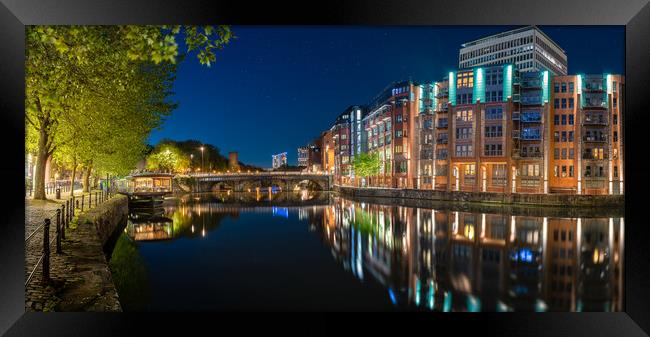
279,159
528,48
233,161
303,156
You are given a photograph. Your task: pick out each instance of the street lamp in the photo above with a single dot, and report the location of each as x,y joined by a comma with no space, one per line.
201,158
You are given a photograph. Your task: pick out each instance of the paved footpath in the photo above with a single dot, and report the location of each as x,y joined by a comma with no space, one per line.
80,276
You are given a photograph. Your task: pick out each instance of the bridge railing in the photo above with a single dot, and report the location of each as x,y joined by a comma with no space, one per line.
265,173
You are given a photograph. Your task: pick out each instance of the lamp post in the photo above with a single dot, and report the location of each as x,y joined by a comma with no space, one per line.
202,158
191,160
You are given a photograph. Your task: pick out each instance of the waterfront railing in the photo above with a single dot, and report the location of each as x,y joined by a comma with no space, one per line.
53,234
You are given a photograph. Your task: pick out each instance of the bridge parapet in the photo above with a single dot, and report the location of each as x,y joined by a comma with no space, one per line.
242,181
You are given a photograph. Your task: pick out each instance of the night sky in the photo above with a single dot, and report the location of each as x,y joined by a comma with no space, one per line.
276,88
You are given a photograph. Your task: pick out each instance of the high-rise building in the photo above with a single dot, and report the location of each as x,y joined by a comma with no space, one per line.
303,156
528,48
279,160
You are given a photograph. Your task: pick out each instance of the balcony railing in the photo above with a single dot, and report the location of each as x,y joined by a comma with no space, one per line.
594,121
442,93
515,115
597,139
442,141
531,155
531,100
442,125
531,83
531,117
515,134
592,157
593,85
442,156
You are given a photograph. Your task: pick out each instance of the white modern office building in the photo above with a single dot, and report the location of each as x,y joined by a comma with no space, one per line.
528,48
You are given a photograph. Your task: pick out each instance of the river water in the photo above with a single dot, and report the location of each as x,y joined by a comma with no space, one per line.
319,251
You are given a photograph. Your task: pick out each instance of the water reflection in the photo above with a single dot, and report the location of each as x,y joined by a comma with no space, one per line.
447,259
462,261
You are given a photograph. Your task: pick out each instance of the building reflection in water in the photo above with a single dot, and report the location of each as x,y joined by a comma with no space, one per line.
428,259
459,261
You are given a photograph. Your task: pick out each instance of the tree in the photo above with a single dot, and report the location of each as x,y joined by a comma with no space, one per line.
169,158
367,164
105,86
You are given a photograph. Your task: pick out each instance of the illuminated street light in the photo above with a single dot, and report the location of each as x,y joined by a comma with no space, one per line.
202,157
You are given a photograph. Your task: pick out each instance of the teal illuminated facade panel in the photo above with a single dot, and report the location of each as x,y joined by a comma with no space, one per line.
452,88
546,87
507,82
479,85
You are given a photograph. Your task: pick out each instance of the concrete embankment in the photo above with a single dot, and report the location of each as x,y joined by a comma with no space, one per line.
81,278
551,200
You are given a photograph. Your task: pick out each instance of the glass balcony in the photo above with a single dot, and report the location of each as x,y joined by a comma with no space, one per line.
531,117
531,134
531,154
531,83
594,101
594,120
442,93
593,84
532,98
595,138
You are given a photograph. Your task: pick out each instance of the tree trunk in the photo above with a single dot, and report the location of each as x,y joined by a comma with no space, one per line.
87,179
41,163
74,175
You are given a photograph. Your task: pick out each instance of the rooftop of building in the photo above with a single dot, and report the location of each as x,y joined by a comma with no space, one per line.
510,32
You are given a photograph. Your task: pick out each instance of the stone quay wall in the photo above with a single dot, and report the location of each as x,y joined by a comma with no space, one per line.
80,276
554,200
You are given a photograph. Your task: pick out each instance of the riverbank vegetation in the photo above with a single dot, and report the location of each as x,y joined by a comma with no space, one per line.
94,93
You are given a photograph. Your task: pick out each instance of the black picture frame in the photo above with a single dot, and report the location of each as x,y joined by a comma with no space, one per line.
633,14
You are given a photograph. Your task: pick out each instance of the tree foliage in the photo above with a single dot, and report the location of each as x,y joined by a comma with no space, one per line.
168,158
94,93
366,164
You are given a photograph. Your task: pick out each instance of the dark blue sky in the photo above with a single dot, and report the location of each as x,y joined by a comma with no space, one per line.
276,88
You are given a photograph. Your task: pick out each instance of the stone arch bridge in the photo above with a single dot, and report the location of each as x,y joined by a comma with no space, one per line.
244,182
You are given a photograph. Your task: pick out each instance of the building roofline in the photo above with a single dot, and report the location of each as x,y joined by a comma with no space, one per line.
510,32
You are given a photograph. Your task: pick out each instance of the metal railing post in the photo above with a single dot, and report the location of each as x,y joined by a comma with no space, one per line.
58,231
46,251
63,223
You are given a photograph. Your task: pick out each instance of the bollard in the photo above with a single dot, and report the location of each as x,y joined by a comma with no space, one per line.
90,200
46,251
83,198
63,221
77,204
58,231
58,193
96,198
